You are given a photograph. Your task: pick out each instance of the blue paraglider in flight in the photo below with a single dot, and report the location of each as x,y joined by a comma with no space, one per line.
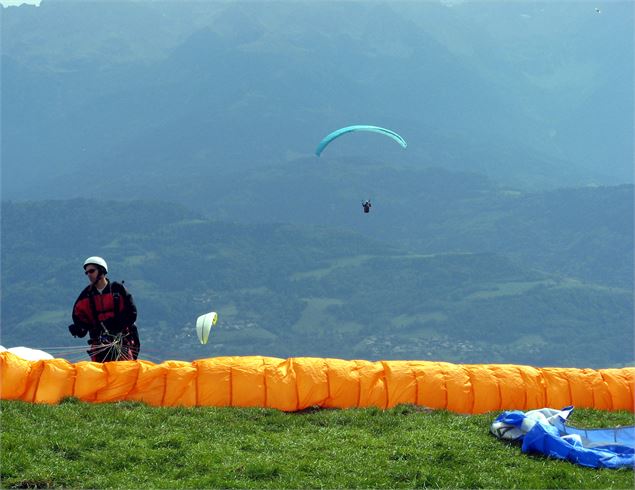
359,127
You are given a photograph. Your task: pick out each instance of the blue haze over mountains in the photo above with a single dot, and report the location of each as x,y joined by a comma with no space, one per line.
518,116
532,95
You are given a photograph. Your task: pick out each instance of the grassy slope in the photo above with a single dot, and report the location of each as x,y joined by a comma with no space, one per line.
124,445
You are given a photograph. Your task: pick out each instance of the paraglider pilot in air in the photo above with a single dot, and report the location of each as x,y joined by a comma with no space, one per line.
106,311
366,205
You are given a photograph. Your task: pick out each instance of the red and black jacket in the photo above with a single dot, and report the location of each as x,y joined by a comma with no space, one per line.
95,313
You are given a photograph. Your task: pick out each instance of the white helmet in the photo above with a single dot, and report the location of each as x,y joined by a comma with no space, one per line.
96,261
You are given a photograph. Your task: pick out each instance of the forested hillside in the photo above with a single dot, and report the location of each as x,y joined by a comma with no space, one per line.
584,232
288,290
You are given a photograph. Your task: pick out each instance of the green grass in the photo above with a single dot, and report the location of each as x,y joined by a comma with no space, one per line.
129,445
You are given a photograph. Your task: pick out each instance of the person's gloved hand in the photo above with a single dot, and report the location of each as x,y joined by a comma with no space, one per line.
77,331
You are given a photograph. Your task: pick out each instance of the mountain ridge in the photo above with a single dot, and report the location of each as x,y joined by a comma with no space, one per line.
251,97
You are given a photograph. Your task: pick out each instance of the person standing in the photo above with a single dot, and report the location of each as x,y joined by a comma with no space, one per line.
106,311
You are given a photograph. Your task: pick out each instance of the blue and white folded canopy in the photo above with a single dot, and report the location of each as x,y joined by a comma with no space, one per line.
546,431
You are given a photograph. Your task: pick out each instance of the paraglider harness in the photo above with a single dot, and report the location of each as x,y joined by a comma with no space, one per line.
121,345
366,205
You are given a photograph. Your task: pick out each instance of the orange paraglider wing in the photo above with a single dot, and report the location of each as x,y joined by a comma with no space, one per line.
298,383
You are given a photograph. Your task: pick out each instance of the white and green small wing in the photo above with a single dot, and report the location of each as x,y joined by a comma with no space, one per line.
204,324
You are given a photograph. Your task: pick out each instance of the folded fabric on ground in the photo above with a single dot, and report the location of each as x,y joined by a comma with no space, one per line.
546,431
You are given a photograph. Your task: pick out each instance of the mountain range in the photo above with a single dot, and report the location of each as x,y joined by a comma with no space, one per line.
533,96
177,140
